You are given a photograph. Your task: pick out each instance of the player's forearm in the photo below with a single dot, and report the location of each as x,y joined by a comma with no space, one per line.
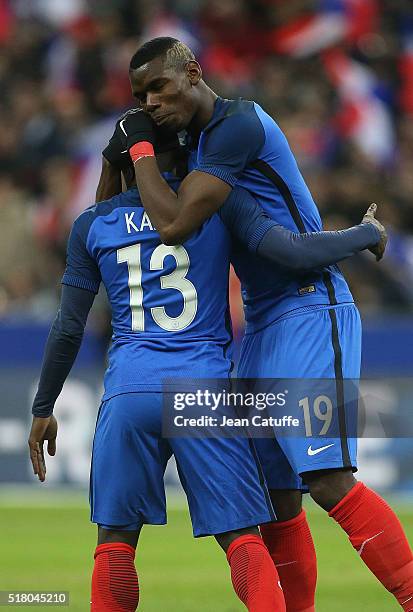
159,200
110,182
175,215
60,354
315,249
62,347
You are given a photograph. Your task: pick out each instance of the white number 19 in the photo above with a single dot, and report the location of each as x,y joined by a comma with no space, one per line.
324,416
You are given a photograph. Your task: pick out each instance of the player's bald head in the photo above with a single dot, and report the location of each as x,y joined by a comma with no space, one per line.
174,53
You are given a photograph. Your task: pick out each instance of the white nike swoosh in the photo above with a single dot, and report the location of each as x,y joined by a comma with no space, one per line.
121,126
360,551
282,564
311,452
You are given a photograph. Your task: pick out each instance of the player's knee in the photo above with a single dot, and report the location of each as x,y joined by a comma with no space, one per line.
327,488
226,539
106,536
287,503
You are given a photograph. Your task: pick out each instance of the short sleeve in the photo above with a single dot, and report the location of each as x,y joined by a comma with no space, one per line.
81,270
231,145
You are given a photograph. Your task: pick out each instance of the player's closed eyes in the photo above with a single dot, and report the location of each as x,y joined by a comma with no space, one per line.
154,87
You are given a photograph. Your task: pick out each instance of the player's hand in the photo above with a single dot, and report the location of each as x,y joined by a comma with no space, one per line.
117,151
379,248
136,126
42,429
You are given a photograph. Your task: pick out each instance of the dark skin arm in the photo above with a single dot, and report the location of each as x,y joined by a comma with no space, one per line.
176,216
110,182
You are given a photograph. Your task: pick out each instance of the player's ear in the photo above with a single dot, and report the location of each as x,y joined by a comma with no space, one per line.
193,72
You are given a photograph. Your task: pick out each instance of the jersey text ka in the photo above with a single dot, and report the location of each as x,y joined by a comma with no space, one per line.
144,224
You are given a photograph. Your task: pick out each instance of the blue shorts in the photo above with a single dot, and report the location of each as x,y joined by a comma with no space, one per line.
316,343
222,478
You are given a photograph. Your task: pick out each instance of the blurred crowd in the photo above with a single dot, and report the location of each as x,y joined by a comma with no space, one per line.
337,75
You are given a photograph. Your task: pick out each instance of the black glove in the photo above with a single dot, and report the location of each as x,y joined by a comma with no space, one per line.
136,126
125,136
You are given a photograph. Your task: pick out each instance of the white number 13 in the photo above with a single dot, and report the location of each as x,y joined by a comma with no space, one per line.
131,255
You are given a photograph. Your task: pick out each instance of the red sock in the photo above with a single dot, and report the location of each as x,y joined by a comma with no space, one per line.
115,586
254,576
292,549
377,535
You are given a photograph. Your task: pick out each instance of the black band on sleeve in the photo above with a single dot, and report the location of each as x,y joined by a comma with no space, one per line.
80,282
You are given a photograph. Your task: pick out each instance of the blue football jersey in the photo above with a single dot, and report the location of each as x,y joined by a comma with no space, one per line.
167,323
244,146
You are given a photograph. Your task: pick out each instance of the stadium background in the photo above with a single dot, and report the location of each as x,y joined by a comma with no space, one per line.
337,75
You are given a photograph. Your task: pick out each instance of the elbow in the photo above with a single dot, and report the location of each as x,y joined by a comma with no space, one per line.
299,265
171,235
72,336
294,264
169,238
302,266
